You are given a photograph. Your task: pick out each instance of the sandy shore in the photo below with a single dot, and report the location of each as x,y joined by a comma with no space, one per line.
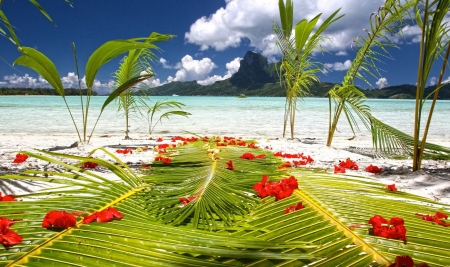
433,181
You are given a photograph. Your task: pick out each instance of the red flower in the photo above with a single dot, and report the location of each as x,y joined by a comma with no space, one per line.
159,140
299,206
373,169
89,165
349,164
184,201
285,165
437,218
262,187
124,151
279,190
59,219
7,236
406,261
105,215
252,145
166,160
20,158
145,166
7,198
393,228
339,169
391,187
230,165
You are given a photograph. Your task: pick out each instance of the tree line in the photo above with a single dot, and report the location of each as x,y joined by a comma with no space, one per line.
42,91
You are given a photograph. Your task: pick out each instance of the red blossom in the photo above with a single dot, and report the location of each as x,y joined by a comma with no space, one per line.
250,156
89,165
105,215
159,140
394,228
406,261
124,151
437,218
373,169
59,219
252,145
145,166
292,208
230,165
281,189
8,237
391,187
285,165
20,158
349,164
7,198
339,169
186,200
166,160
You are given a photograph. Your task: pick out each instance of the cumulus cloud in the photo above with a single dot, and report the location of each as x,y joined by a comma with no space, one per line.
338,66
251,21
166,64
69,81
193,69
232,67
382,82
341,53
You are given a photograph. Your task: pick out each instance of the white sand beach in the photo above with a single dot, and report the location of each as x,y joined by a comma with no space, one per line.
433,181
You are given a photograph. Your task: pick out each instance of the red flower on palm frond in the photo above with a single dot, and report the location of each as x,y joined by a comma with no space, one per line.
279,190
20,158
8,237
394,228
406,261
373,169
285,165
186,200
292,208
89,165
230,165
437,218
7,198
166,160
105,215
59,219
339,169
262,187
391,187
252,145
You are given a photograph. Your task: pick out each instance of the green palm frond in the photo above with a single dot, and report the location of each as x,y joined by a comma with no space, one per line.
247,232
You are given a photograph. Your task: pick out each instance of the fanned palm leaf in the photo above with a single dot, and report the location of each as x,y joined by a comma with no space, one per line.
260,234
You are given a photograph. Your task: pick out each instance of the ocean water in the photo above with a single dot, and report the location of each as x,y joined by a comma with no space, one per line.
246,117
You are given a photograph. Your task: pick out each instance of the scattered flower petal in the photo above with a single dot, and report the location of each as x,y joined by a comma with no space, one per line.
373,169
394,228
7,198
20,158
292,208
59,219
8,237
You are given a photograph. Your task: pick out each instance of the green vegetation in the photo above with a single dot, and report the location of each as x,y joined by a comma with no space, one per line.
42,91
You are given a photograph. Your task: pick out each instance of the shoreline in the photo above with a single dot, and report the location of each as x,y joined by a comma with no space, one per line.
432,182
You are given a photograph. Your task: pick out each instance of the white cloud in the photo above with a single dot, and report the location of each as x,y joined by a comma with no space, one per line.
232,67
341,53
382,82
251,20
433,81
69,81
192,69
166,64
338,66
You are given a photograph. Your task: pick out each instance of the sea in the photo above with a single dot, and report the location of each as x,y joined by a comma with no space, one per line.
250,117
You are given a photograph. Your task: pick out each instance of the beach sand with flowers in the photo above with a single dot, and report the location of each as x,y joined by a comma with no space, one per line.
432,182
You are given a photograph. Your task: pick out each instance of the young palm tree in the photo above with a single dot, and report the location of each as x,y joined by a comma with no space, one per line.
434,41
297,72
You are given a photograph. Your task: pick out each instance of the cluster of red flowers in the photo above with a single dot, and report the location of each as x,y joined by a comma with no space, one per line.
164,160
185,140
394,228
105,215
347,164
279,190
20,158
159,140
373,169
391,187
7,197
89,165
125,151
7,236
437,218
292,208
303,160
406,261
250,156
186,200
162,148
230,165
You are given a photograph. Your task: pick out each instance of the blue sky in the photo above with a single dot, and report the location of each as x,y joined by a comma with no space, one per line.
212,36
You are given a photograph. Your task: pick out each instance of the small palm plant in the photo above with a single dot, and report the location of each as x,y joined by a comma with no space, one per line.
37,61
132,65
435,40
297,71
160,109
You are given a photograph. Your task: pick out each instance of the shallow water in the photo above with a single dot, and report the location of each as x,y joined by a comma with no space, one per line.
247,117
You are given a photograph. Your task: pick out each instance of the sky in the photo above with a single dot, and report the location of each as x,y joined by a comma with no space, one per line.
211,38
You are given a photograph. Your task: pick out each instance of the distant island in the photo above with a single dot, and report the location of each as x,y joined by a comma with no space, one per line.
255,77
